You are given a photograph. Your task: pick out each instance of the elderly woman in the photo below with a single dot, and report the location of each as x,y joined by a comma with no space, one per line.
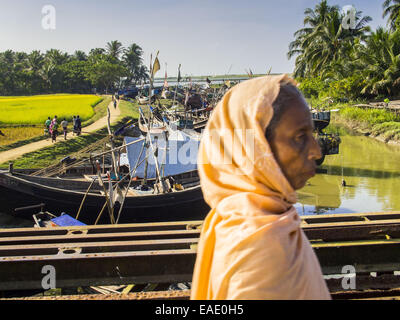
251,244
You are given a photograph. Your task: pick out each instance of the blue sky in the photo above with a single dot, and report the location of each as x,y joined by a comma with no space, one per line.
206,37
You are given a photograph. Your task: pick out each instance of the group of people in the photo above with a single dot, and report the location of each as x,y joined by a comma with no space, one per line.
51,127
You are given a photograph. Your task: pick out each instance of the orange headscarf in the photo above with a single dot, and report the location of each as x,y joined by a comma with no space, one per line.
251,244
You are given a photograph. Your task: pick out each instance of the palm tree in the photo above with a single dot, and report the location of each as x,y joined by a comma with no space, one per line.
80,55
381,63
391,8
56,57
142,74
48,72
313,21
114,49
325,42
97,51
35,61
133,60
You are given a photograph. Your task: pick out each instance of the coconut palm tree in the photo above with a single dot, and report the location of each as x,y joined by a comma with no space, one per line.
80,55
313,21
35,61
133,60
114,49
325,41
381,63
391,8
48,72
97,51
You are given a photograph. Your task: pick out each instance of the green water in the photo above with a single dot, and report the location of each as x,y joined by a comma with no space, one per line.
371,170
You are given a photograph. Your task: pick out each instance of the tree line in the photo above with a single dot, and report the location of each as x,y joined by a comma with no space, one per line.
102,69
354,63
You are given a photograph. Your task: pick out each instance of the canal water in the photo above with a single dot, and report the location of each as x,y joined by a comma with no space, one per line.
370,168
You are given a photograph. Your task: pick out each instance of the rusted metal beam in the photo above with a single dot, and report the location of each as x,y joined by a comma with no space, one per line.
105,237
165,252
94,269
160,266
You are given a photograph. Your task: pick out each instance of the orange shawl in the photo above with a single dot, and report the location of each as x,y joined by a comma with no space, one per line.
251,244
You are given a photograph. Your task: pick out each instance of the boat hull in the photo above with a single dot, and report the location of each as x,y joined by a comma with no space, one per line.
183,205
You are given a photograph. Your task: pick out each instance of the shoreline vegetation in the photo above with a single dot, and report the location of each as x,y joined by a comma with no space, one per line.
385,127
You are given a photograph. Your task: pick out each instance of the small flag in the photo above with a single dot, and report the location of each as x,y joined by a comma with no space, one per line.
165,81
156,66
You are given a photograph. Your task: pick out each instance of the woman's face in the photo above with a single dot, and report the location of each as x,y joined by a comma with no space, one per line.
294,145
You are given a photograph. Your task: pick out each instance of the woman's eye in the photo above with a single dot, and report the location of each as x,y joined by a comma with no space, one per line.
301,136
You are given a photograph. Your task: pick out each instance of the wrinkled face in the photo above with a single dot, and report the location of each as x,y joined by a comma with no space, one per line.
294,145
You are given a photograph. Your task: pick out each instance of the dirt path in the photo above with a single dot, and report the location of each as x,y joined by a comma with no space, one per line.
101,123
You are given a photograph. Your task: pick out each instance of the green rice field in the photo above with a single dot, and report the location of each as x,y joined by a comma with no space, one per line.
12,135
35,109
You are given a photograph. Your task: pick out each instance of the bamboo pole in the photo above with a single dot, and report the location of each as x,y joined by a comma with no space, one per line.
110,211
112,144
84,198
100,214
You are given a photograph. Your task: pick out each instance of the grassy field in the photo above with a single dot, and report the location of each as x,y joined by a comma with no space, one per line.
52,154
12,135
36,109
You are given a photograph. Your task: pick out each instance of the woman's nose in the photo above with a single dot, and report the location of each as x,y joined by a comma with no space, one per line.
315,150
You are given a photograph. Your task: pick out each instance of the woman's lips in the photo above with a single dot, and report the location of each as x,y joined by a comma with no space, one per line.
311,173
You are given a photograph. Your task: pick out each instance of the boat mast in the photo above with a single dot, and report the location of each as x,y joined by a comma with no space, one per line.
177,84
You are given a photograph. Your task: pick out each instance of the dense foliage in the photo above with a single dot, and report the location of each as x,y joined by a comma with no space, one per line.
55,71
338,62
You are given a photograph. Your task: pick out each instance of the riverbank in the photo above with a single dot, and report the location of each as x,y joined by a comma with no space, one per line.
381,125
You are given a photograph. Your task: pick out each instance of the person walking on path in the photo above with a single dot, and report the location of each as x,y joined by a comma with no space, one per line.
47,127
64,125
34,146
115,104
53,129
78,125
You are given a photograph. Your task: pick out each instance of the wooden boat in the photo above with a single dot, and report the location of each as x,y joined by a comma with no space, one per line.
66,193
329,143
157,127
142,100
321,119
